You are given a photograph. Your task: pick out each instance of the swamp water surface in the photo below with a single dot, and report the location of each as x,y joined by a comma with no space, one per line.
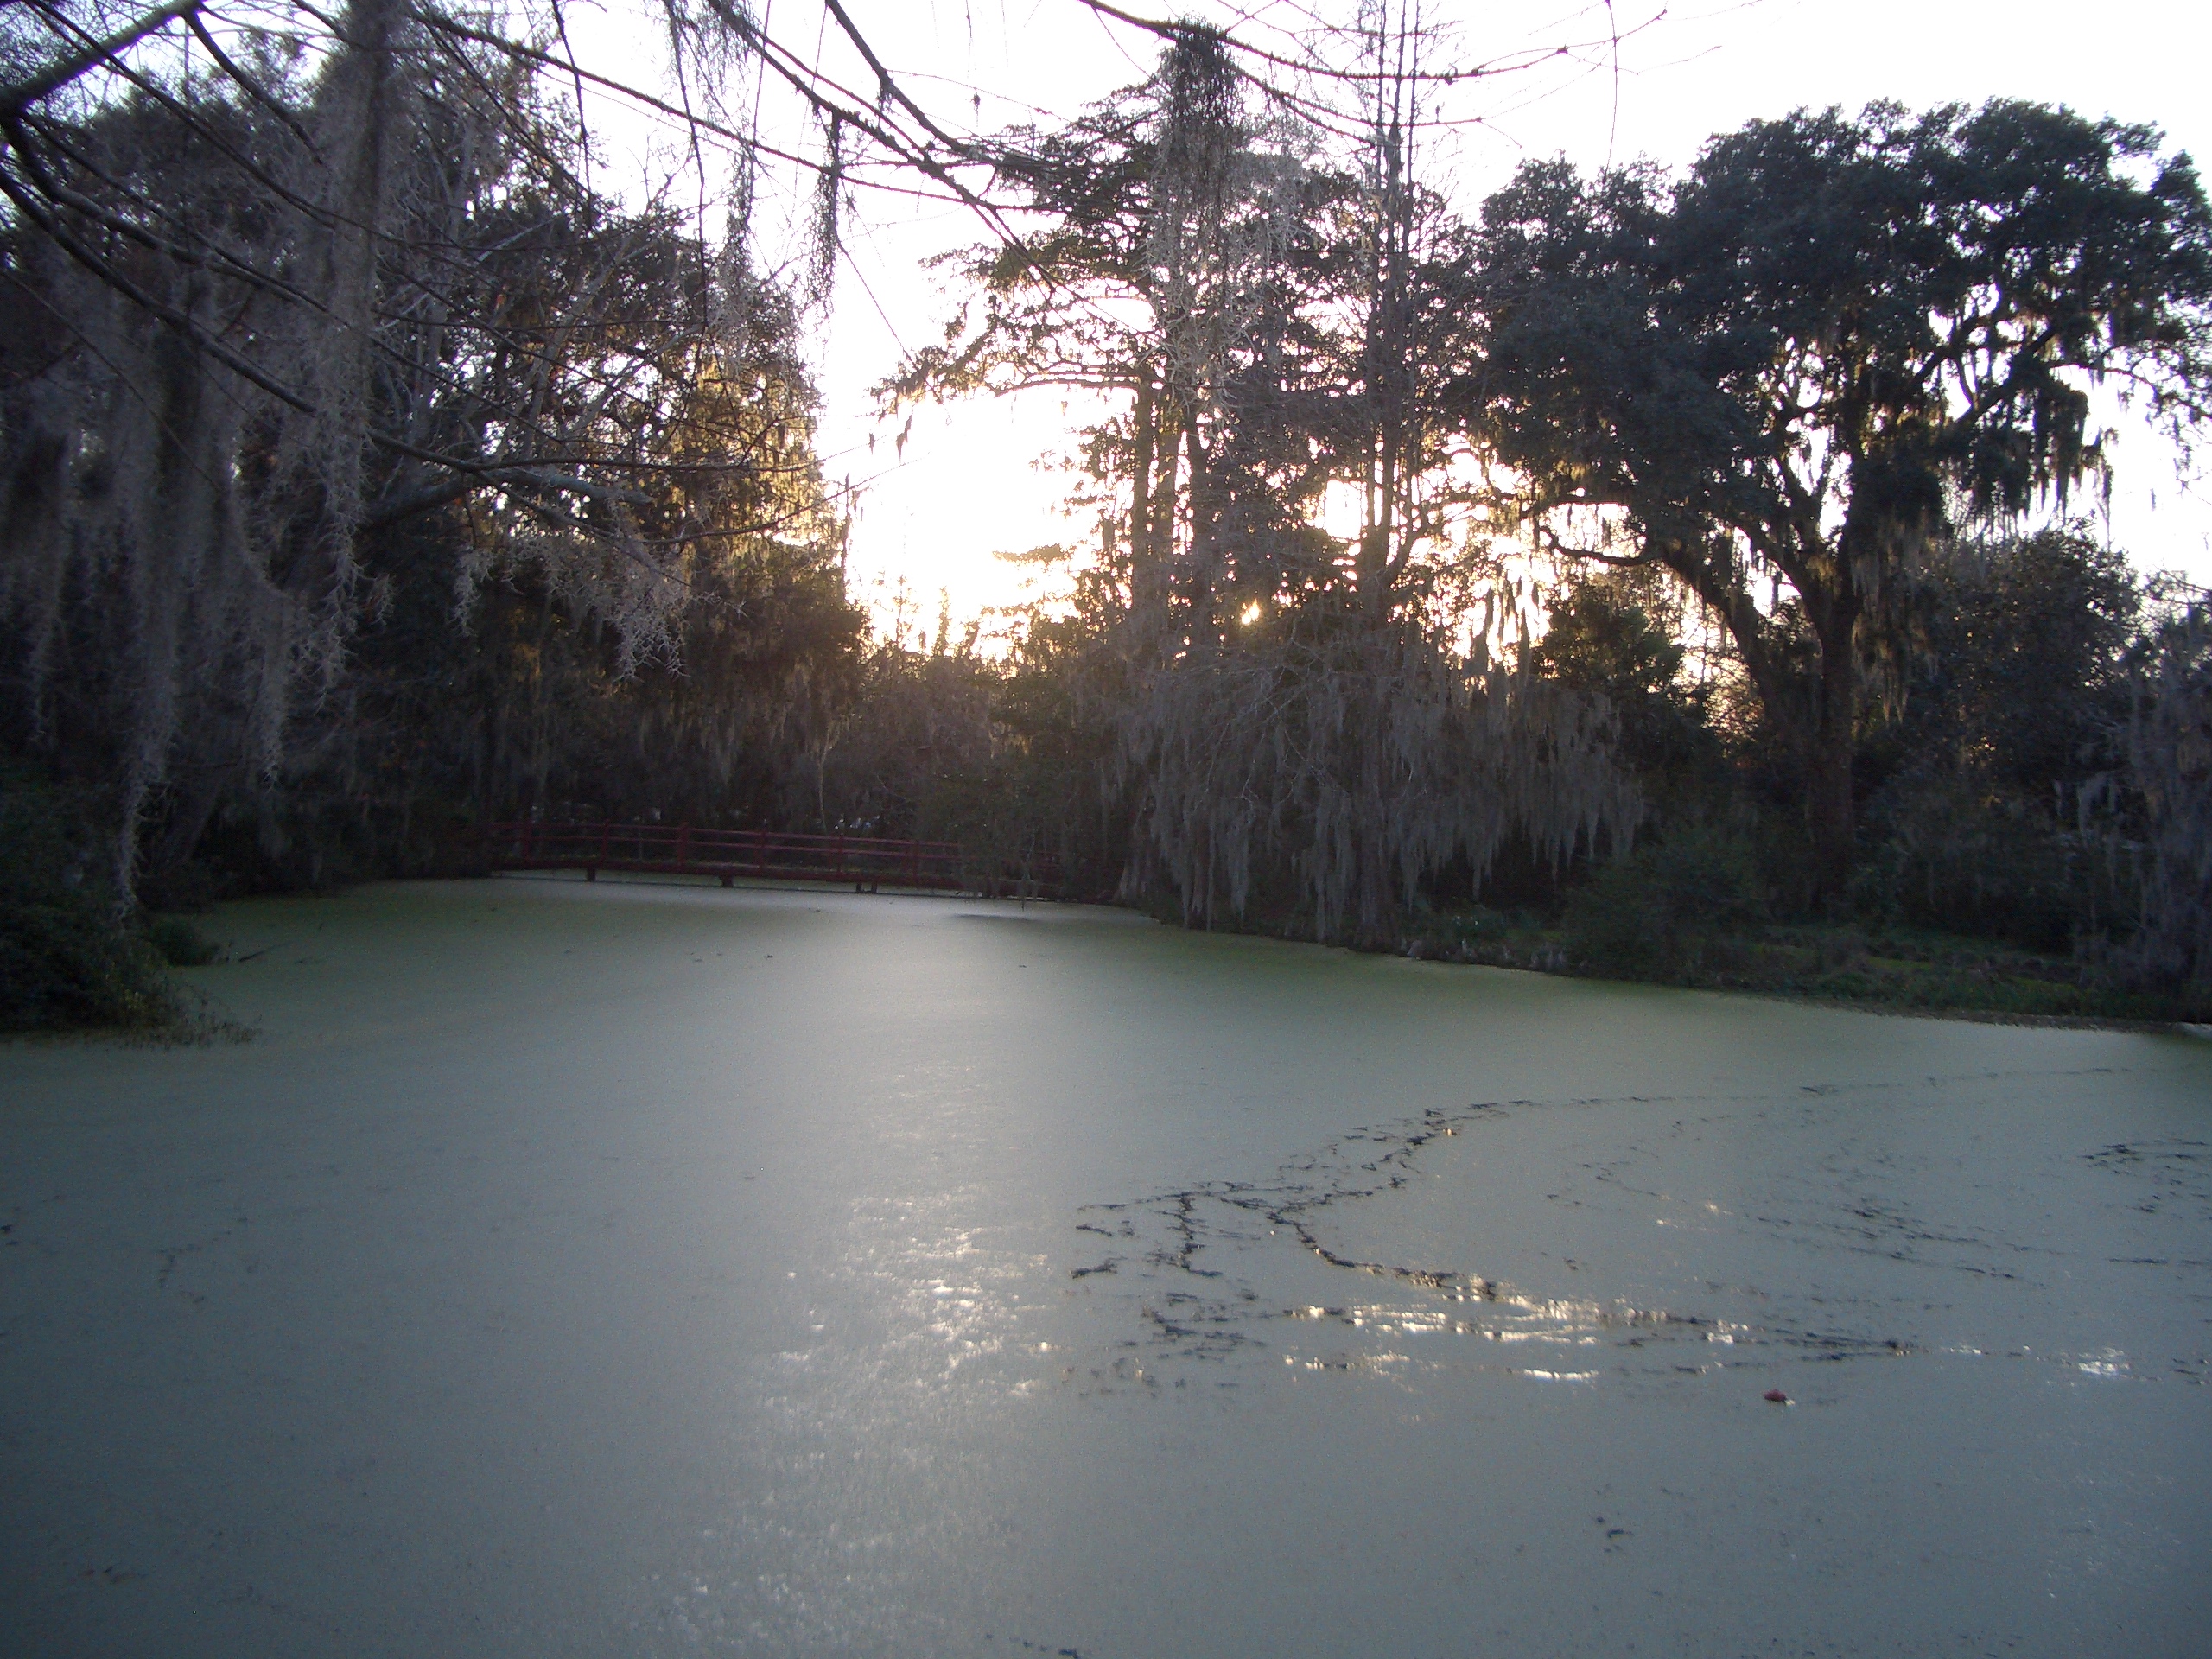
650,1269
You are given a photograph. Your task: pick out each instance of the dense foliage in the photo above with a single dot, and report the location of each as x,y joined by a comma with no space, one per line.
1810,358
66,960
1631,578
368,471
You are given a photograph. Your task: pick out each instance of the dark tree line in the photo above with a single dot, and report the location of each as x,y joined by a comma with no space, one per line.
361,457
368,473
1797,406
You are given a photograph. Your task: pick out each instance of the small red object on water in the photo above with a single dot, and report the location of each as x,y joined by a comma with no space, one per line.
1777,1396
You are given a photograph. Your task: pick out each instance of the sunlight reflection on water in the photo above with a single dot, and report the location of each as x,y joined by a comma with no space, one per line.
1887,1256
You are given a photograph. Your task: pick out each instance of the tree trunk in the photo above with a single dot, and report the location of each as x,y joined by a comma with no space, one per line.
1206,547
1834,740
1148,572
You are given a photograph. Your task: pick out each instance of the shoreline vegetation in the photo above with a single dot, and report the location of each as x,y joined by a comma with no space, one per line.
1909,971
1902,970
1843,965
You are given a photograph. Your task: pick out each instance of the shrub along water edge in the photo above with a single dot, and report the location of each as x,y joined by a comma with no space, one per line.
68,960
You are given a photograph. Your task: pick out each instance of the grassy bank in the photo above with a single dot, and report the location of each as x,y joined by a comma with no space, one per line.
1900,969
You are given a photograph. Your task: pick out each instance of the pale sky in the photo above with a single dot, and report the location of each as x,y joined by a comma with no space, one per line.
970,483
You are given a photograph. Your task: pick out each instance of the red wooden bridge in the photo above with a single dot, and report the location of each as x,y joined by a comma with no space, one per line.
866,861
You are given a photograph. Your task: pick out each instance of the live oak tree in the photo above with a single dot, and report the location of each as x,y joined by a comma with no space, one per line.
1786,376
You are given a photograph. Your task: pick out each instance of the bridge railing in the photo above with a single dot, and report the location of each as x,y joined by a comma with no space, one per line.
679,849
